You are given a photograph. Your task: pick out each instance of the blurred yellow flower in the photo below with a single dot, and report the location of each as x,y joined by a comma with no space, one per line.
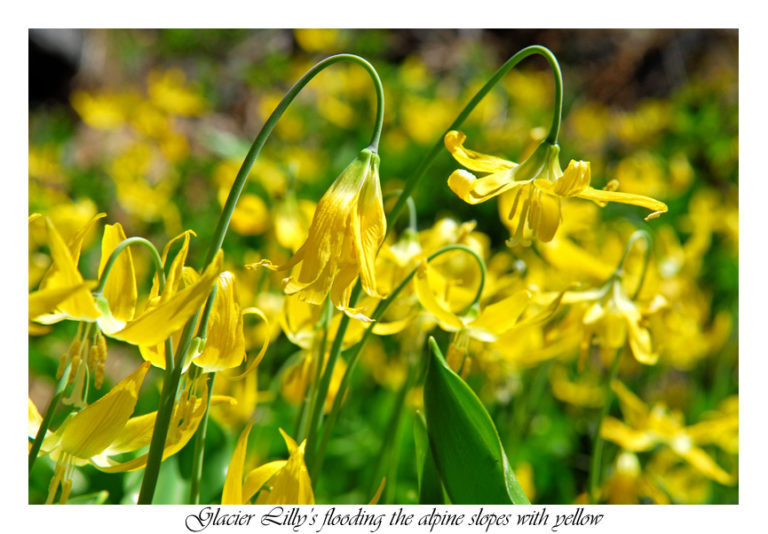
346,231
646,428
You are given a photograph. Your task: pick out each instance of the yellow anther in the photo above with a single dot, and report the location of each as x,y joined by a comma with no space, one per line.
99,374
66,487
62,365
93,356
75,367
74,348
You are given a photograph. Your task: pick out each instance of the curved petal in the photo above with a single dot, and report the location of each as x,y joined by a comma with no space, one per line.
428,300
91,431
157,324
233,484
256,479
120,289
64,273
474,190
257,359
600,195
225,342
500,316
474,161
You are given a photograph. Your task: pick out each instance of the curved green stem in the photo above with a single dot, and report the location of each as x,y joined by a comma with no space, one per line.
122,246
636,236
171,380
159,271
412,216
554,130
597,450
315,460
266,130
46,422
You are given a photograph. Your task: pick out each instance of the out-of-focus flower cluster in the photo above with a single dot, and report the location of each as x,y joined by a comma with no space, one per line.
159,150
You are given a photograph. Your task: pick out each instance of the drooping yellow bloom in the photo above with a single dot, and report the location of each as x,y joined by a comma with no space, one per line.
277,482
225,342
346,231
531,191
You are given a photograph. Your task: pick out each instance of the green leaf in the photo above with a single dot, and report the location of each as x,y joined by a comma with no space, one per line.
468,452
429,485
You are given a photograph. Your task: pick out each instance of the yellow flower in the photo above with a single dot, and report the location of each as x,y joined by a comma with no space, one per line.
531,191
346,231
225,343
613,319
89,432
115,308
646,428
277,482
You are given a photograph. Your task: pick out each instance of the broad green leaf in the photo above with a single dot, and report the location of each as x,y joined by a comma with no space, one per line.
429,485
467,450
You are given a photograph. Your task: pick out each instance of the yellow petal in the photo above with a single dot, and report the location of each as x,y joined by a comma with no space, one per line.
699,459
599,195
474,161
545,216
428,300
257,478
225,343
120,289
233,484
185,419
46,300
90,431
155,325
500,316
257,359
474,190
628,438
291,484
64,274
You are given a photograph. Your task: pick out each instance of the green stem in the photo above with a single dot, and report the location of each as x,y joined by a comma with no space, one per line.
636,236
554,130
315,460
597,451
122,246
199,453
58,393
171,380
266,130
412,217
310,398
387,451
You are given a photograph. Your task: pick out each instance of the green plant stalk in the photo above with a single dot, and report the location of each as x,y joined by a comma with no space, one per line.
202,429
387,452
554,130
597,451
46,422
120,248
315,461
199,452
171,381
310,398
